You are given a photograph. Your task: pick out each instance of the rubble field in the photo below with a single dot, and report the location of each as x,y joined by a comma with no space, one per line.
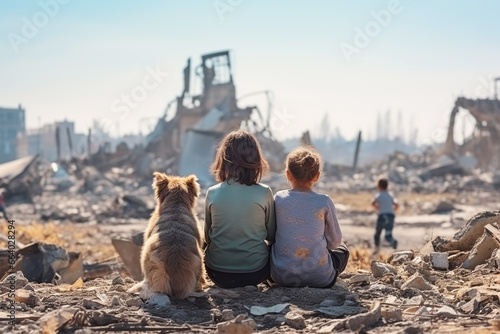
77,247
415,290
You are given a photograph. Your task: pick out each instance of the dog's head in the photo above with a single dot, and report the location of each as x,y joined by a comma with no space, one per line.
175,189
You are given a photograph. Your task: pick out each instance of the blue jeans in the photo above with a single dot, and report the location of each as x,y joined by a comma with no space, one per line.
385,222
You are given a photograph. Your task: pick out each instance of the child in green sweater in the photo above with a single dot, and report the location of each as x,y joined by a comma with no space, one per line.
240,221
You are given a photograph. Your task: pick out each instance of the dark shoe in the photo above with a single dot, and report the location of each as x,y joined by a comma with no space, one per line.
395,244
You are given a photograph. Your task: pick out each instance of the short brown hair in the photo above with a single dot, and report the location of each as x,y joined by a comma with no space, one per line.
304,163
383,183
239,156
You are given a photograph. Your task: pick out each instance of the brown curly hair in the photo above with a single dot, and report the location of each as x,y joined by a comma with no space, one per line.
304,163
239,156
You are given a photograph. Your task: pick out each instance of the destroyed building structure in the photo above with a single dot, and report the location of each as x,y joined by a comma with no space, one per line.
12,123
484,143
189,137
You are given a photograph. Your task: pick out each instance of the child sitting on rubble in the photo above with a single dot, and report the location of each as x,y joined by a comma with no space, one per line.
308,249
385,204
239,214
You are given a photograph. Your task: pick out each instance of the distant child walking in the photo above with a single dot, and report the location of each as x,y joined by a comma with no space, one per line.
240,222
385,204
308,249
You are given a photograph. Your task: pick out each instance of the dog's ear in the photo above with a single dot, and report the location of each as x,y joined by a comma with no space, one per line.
193,186
160,184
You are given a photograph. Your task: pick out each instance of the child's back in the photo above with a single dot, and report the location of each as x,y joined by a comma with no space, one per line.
307,249
238,225
307,228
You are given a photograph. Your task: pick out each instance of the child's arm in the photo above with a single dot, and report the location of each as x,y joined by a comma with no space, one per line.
333,233
208,218
270,216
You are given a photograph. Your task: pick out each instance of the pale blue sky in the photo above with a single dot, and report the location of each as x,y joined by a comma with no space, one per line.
90,52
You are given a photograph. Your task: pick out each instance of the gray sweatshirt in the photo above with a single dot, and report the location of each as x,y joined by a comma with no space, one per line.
306,227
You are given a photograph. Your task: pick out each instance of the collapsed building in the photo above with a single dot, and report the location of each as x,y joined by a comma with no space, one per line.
484,144
188,138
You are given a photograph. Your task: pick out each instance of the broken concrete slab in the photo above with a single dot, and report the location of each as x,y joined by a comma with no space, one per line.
439,260
464,239
240,325
365,319
401,257
48,263
456,260
295,320
480,252
417,282
130,253
379,269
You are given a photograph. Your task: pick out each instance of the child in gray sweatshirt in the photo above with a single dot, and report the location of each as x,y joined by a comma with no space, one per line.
308,250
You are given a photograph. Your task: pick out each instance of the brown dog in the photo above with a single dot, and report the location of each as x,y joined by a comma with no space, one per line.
171,257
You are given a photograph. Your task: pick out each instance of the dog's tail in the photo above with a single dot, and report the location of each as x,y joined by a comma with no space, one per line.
186,268
157,277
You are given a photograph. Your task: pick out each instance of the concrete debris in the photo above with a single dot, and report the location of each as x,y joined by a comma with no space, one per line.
239,325
365,319
464,239
401,257
417,282
159,300
379,269
41,262
439,260
480,252
295,320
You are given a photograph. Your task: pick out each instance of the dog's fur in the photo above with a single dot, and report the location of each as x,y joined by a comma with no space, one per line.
171,257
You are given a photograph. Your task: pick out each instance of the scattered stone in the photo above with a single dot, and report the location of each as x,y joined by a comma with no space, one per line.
415,300
239,325
115,301
52,321
466,293
17,277
392,314
295,320
101,318
447,311
92,304
227,314
470,307
159,300
118,280
250,288
27,297
379,269
418,282
360,279
439,260
134,301
399,258
365,319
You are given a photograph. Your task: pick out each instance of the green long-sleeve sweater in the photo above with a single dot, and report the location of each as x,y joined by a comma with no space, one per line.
238,218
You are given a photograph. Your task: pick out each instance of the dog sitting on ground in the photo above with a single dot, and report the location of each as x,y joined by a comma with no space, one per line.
171,256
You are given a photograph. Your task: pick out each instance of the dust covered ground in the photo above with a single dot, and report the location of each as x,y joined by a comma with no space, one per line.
359,302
